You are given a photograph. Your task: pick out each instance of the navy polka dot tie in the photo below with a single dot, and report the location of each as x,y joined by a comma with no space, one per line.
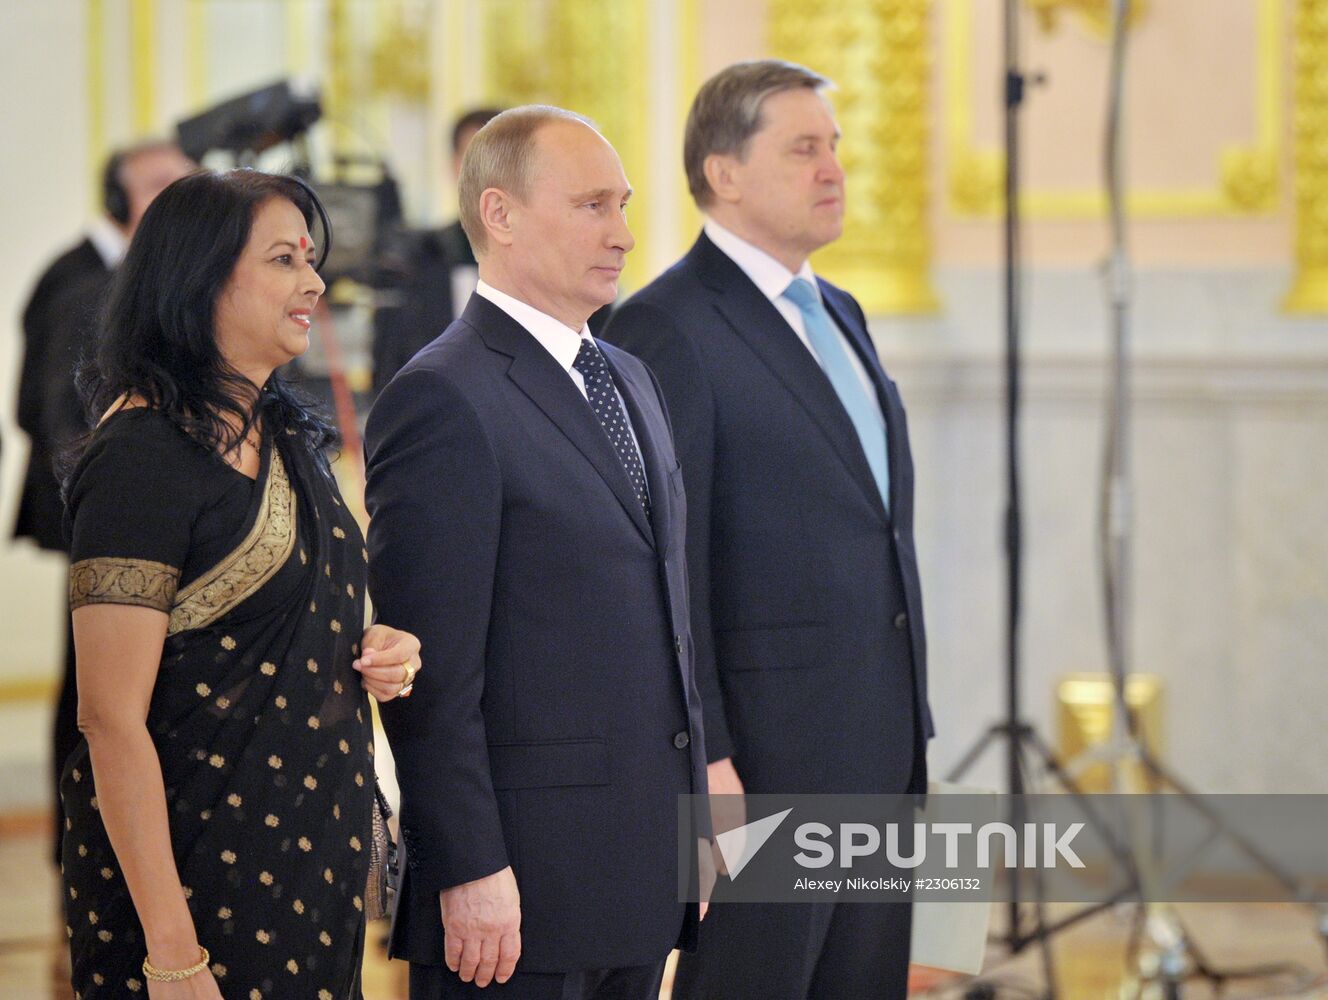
609,411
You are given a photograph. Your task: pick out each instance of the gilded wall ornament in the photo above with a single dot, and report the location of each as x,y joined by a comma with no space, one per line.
877,52
1309,290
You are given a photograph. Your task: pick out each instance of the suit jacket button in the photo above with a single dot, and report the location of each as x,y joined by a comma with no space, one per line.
681,740
901,621
677,644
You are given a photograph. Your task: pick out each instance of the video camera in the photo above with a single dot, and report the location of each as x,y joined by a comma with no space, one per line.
362,214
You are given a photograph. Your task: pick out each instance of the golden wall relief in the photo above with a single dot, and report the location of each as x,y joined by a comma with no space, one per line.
1309,290
1246,174
878,54
590,56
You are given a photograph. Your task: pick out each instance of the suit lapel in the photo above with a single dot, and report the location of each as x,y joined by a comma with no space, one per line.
756,320
896,438
550,388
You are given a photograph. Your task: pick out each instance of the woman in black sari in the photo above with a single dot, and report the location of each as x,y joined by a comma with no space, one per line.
219,809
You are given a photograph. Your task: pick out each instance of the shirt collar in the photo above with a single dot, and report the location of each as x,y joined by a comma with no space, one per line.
767,274
557,338
108,240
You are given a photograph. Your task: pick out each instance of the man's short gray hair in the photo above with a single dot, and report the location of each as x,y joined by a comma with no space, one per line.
502,156
727,113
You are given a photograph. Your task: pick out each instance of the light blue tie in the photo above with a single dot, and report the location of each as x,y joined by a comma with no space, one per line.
830,348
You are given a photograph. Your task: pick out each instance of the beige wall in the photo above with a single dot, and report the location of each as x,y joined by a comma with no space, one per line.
1192,93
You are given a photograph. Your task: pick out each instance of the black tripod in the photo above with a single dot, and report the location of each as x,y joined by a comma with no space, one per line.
1021,739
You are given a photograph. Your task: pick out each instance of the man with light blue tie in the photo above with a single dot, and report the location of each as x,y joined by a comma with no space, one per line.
806,605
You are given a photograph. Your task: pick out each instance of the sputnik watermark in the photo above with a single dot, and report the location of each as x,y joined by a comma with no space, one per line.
862,840
967,847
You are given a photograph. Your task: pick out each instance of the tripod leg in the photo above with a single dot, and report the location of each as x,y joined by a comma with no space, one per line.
1123,855
1153,767
1016,817
1040,934
1043,937
967,761
1133,946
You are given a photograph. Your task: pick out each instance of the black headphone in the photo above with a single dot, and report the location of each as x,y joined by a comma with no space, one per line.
114,197
322,217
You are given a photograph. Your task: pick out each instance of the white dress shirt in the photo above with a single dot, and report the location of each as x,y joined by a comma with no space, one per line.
464,278
772,278
556,337
109,241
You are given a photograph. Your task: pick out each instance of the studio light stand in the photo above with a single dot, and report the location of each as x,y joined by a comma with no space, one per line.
1022,741
1179,957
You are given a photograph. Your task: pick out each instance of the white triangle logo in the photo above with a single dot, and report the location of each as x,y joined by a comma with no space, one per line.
739,846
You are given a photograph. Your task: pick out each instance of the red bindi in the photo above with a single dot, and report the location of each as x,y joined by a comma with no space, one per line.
304,243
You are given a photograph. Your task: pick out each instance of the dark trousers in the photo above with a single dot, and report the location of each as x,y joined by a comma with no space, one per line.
799,951
642,982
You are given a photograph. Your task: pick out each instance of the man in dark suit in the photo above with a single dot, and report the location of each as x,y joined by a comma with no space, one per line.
59,321
527,518
806,608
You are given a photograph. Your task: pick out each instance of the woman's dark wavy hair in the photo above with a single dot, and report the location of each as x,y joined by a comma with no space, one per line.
157,338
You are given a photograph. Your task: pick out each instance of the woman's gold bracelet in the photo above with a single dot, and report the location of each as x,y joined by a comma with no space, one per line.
176,975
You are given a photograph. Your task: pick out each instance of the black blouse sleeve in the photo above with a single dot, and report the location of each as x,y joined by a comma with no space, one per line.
132,503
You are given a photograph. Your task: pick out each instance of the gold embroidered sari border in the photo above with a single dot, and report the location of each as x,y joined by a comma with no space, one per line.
113,580
265,549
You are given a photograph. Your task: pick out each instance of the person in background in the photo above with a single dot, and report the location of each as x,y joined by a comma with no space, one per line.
58,324
435,273
806,604
218,808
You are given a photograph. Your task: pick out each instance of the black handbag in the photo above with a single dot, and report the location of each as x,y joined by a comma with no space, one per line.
381,892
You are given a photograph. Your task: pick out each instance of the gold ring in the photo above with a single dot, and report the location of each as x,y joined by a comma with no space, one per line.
405,691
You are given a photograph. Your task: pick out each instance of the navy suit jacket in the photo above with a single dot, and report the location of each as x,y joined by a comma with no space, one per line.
59,324
556,720
806,605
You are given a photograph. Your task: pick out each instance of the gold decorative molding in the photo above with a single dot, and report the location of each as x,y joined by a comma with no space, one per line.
555,52
298,55
341,93
196,49
143,63
689,81
1309,289
877,52
1096,14
1247,175
96,94
399,62
18,690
